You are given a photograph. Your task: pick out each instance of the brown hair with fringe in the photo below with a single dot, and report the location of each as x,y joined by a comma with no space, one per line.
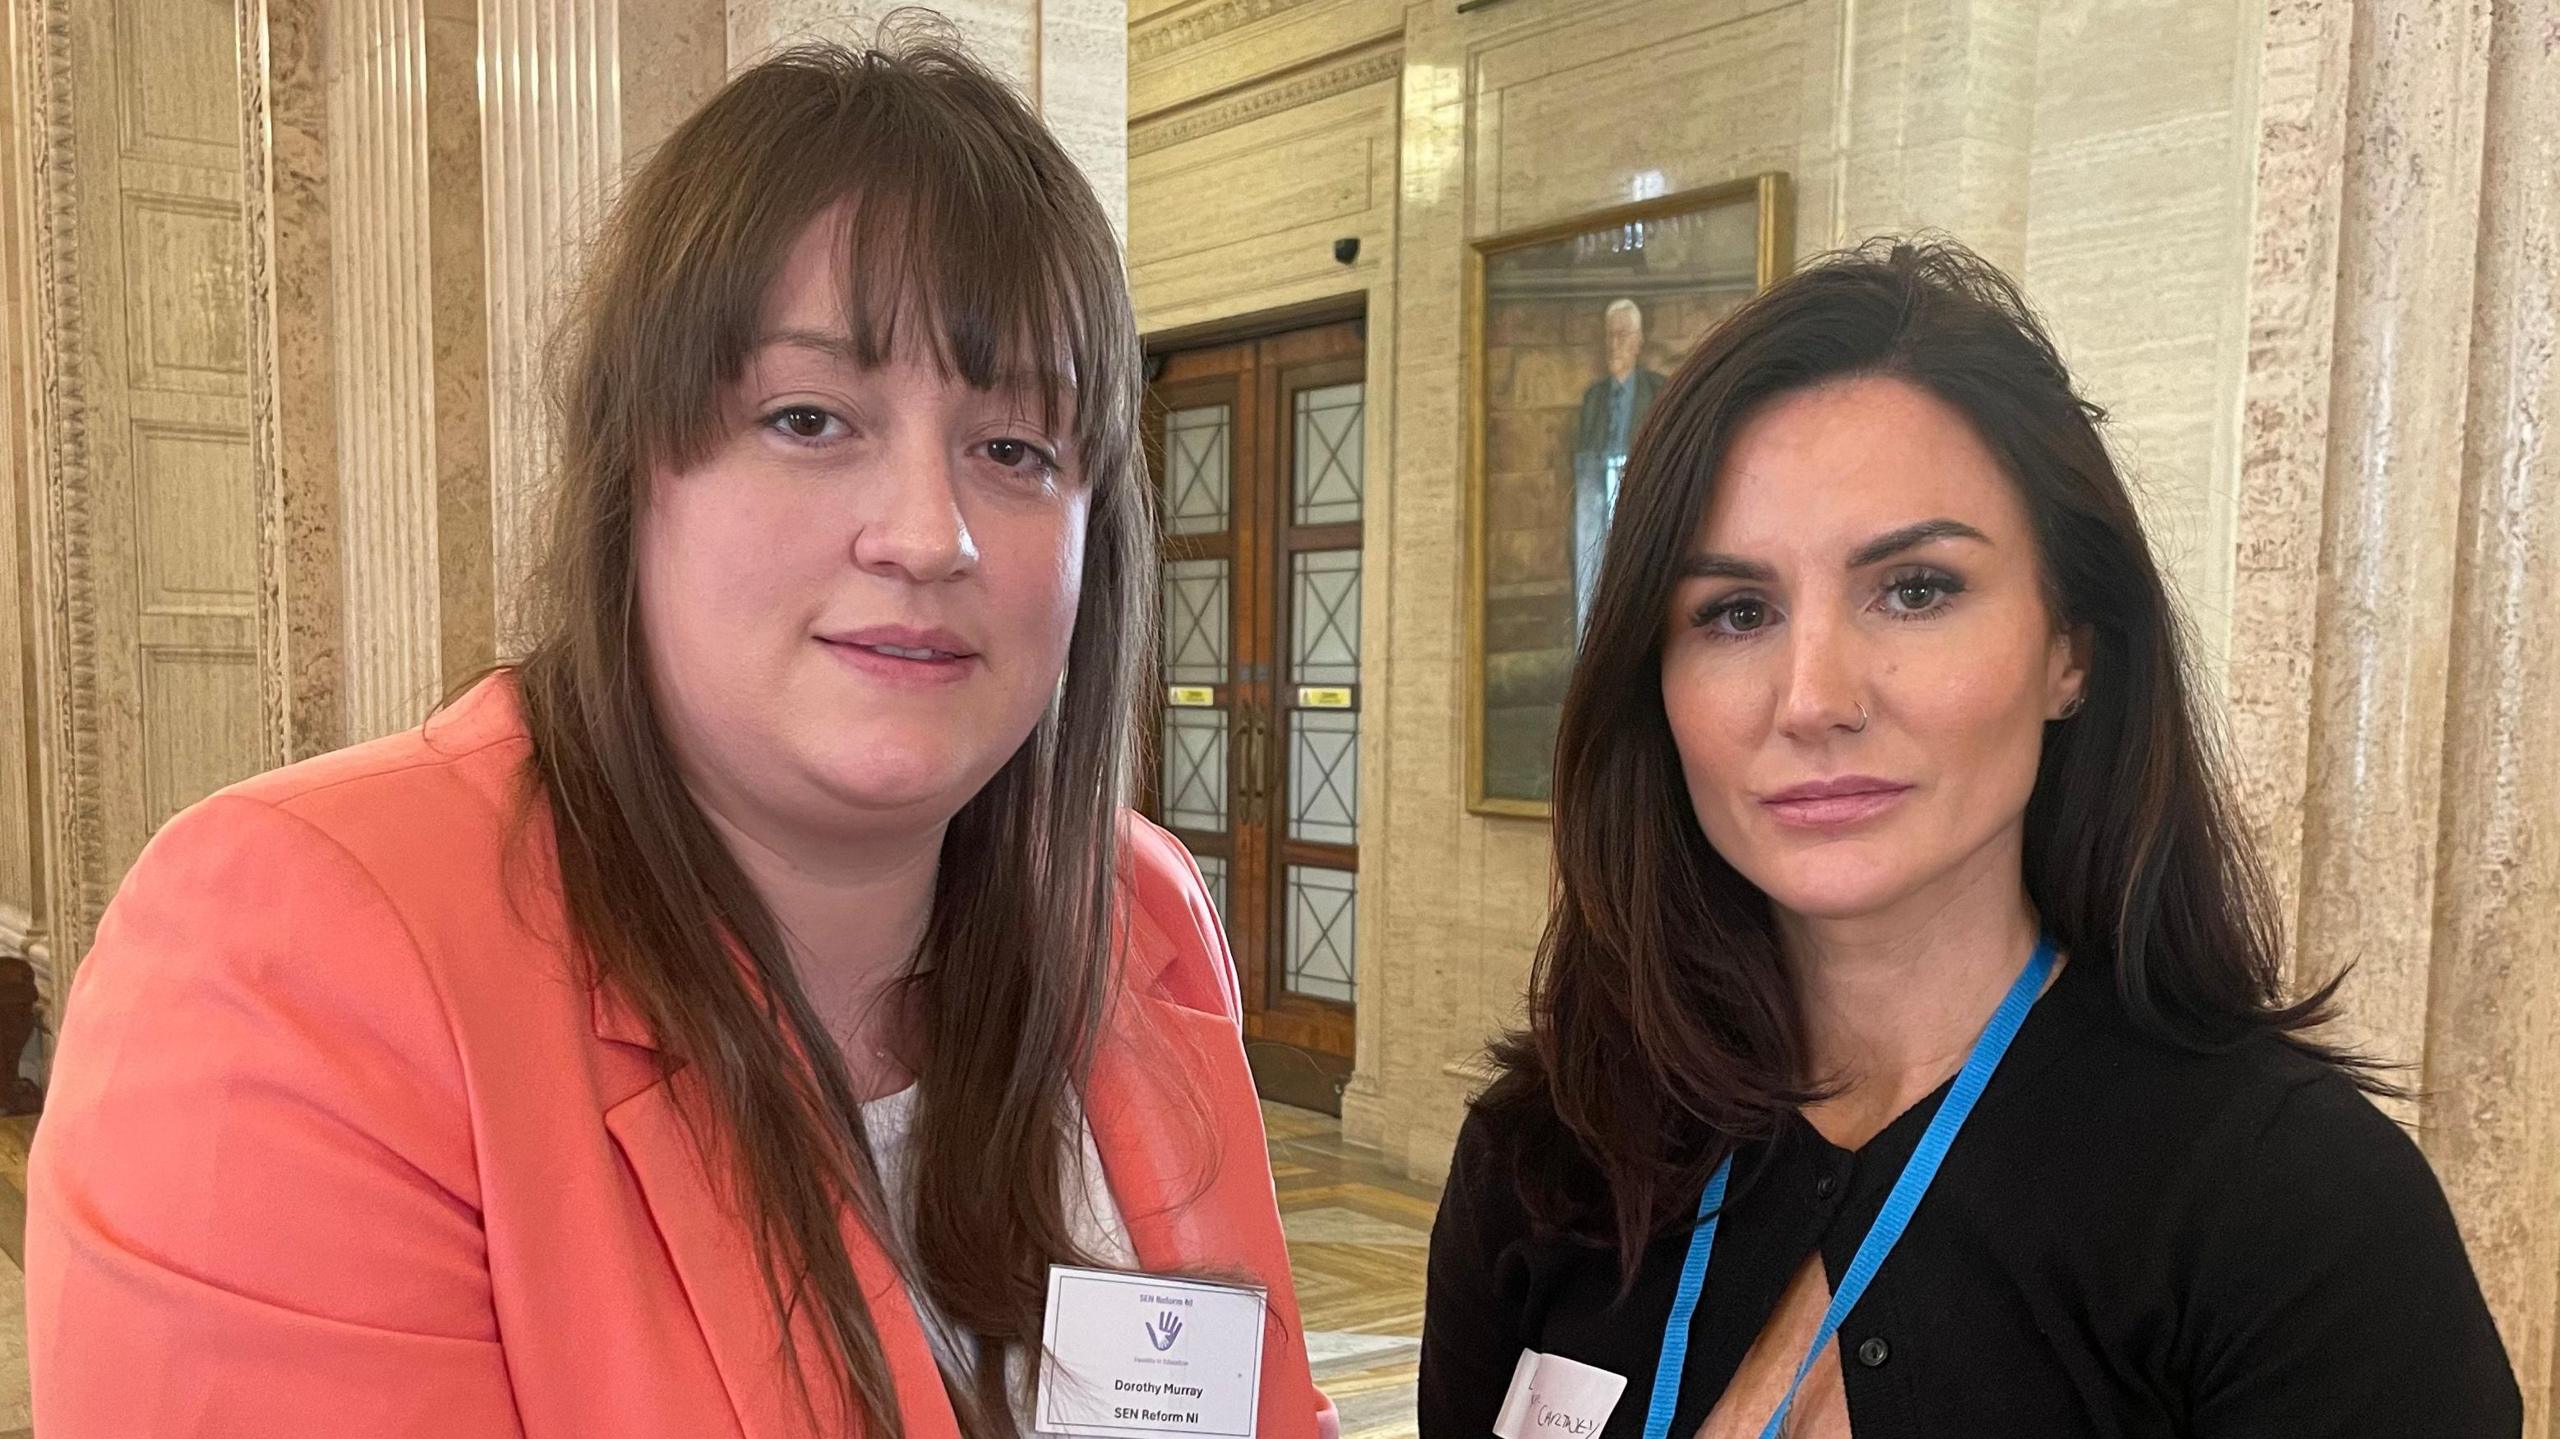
971,238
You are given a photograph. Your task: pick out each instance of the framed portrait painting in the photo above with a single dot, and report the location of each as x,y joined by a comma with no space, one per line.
1572,329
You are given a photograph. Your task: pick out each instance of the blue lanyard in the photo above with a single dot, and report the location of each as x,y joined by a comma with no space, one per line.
1890,1222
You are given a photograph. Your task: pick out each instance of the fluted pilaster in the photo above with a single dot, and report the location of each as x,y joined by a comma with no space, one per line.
385,363
551,152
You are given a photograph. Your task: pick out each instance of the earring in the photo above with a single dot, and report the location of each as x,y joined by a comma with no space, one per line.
2072,708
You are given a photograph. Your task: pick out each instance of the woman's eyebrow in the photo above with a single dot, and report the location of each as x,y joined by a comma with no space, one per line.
1893,542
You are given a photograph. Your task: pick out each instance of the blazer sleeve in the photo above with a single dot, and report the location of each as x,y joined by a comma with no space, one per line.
2331,1296
252,1206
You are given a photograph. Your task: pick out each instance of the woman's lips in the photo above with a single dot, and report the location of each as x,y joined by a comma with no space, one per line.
1834,804
901,664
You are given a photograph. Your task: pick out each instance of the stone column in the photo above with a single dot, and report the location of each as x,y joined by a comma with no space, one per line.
2492,1074
362,180
2409,214
550,142
386,312
2393,673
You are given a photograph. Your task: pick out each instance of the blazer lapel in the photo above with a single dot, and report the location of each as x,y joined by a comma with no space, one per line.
723,1280
1180,1135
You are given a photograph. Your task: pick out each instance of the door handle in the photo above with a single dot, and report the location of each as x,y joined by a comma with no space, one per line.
1257,778
1244,763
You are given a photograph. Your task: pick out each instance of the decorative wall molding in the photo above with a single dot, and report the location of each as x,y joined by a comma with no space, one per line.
1305,88
1160,35
66,613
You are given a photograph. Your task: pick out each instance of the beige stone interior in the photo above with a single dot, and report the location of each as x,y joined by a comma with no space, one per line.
275,273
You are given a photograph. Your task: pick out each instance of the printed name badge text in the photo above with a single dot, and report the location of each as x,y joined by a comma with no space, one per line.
1142,1354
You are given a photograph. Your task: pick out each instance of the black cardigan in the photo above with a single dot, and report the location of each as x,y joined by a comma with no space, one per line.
2128,1239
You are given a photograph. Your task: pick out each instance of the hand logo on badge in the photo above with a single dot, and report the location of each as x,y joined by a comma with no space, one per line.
1166,1328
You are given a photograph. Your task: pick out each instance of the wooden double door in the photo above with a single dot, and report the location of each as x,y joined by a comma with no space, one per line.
1259,449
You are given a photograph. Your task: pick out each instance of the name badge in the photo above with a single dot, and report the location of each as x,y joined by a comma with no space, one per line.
1553,1397
1141,1354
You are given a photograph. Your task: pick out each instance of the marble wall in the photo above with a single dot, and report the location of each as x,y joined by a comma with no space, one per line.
1988,121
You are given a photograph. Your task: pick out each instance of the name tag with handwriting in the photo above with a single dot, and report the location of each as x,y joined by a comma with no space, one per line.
1553,1397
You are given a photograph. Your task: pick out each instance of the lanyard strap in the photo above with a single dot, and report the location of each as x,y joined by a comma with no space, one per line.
1908,1190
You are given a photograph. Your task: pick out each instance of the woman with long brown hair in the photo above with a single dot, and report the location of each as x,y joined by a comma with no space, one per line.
1908,1052
723,1020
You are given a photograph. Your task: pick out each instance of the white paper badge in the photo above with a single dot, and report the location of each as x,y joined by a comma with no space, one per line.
1141,1354
1553,1397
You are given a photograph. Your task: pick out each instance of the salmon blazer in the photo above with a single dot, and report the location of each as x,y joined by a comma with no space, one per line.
340,1143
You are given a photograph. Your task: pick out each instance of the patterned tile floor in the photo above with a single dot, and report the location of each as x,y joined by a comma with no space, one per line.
1357,1234
1357,1240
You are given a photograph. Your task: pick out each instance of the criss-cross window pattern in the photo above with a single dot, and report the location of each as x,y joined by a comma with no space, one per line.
1259,450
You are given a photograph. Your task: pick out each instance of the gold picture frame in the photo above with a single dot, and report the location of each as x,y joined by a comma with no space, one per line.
1653,275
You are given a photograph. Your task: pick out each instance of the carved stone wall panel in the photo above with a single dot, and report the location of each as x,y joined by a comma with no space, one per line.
22,431
65,701
195,537
141,279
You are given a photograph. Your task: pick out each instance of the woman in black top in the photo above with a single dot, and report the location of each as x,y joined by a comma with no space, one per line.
1884,829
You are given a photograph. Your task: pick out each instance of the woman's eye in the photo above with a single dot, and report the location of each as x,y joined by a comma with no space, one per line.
1732,618
803,422
1914,595
1020,455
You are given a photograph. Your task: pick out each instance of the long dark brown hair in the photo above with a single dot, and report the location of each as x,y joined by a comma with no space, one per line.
1663,1028
971,238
